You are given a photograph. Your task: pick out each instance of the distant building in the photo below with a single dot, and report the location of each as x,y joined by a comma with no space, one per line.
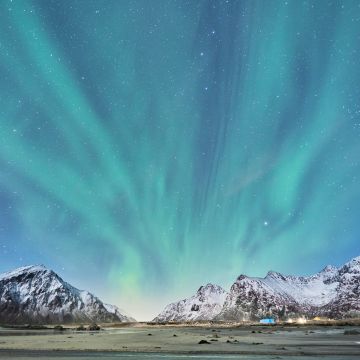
319,318
267,321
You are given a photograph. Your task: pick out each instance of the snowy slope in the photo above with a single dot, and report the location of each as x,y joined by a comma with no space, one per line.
121,314
313,290
204,305
35,294
252,298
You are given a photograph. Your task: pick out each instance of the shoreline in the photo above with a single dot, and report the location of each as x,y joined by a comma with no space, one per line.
205,324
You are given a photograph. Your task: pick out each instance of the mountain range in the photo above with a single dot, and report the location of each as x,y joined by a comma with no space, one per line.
332,293
37,295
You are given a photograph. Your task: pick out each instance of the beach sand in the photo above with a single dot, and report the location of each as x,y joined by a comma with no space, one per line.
251,340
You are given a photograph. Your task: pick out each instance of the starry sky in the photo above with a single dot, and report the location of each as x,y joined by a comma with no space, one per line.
149,147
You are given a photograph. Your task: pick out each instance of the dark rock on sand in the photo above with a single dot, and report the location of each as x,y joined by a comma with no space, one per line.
93,327
204,342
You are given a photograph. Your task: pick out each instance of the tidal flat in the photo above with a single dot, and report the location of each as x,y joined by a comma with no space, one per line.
177,342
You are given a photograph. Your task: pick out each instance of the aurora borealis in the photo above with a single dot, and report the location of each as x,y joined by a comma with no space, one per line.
149,147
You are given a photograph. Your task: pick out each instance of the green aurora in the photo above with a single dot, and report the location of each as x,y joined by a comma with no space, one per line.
149,147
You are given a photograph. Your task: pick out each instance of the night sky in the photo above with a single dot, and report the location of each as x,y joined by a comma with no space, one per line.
149,147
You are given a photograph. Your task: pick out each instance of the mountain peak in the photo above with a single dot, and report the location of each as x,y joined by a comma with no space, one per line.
329,269
210,288
34,267
354,261
352,266
35,294
274,275
25,270
242,277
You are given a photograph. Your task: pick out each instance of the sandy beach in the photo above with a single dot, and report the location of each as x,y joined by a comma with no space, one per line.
276,341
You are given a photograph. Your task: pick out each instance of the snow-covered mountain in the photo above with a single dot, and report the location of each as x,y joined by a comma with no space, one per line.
35,294
204,305
347,297
333,292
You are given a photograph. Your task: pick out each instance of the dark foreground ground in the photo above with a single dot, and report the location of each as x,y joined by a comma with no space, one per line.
68,355
180,342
